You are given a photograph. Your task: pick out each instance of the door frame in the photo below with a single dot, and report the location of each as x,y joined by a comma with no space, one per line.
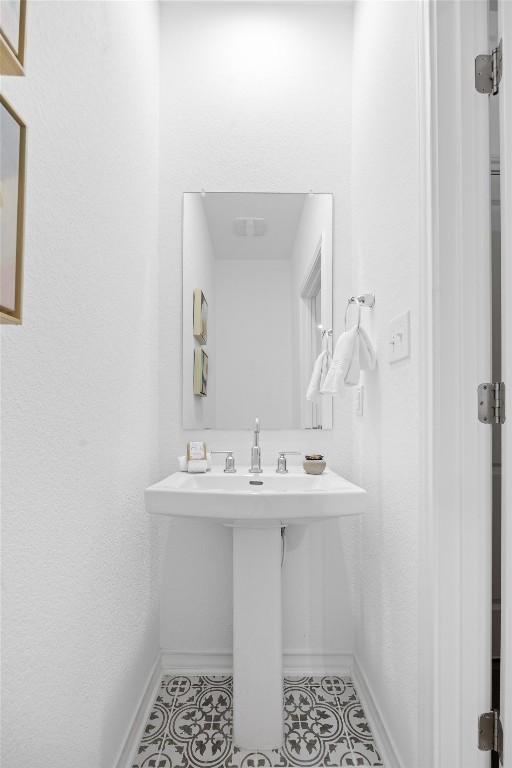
311,278
455,530
319,264
505,29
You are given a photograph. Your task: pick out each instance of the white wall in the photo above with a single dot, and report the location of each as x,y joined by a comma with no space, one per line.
79,399
254,356
254,97
198,272
385,237
82,407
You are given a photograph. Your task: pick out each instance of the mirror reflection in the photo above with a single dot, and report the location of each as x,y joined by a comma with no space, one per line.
257,309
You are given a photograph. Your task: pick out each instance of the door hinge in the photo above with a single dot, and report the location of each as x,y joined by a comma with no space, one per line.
491,403
488,70
490,733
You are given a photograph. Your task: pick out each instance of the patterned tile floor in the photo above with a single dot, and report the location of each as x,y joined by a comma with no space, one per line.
190,726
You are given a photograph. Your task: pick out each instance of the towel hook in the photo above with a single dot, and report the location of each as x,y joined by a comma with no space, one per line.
365,300
324,331
325,338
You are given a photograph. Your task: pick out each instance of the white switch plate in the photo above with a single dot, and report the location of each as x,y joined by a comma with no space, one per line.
359,401
398,337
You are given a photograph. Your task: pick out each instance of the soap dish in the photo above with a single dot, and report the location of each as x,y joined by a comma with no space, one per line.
314,464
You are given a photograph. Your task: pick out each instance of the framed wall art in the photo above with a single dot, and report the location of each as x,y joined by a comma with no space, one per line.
12,197
200,372
200,316
12,36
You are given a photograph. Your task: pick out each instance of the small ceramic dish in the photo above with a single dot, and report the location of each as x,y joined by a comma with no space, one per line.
314,464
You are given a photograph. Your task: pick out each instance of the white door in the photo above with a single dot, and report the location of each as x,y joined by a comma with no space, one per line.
461,569
467,320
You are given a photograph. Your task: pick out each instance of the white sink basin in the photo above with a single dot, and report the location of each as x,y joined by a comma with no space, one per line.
256,507
268,499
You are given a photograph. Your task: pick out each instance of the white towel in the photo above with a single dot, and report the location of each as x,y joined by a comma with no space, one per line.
183,463
354,371
197,465
341,362
354,352
367,356
363,358
320,369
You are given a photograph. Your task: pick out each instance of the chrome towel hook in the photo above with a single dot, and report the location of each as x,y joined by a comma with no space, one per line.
365,300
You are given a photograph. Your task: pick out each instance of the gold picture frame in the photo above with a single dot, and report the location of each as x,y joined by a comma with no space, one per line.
200,372
12,202
200,316
13,15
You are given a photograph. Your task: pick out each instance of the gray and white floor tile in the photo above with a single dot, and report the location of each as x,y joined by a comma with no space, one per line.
190,726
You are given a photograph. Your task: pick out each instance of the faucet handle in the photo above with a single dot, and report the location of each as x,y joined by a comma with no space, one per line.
282,469
229,464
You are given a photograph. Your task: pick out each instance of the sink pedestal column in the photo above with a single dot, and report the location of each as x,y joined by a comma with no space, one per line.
257,638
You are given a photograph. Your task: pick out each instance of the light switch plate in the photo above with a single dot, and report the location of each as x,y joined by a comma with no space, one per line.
398,337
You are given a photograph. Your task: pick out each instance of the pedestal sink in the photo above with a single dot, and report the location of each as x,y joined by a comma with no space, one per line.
256,508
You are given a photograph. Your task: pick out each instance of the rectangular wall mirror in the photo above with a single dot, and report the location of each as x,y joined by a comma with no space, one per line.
257,308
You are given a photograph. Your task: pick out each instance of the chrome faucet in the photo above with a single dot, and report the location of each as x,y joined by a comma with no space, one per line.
282,468
255,467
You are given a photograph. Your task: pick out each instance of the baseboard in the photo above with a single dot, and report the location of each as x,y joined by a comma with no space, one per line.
211,662
387,747
220,662
136,727
313,662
